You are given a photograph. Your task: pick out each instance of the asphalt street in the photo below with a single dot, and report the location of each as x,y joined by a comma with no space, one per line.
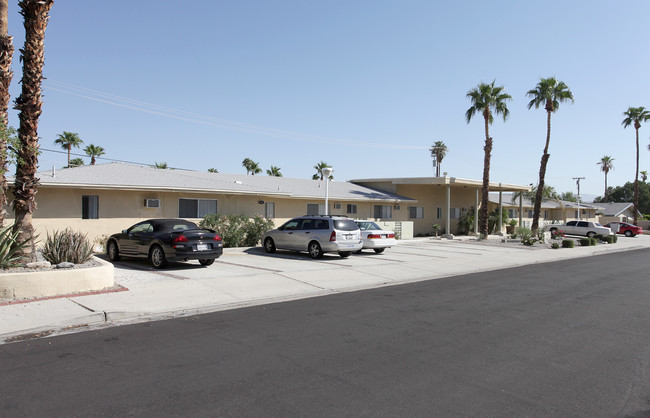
563,339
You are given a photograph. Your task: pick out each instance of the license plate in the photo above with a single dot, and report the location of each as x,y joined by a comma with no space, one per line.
348,236
350,245
201,247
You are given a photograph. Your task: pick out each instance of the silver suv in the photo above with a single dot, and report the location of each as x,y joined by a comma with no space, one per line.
316,235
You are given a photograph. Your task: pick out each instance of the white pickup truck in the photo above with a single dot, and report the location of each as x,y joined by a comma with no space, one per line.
586,228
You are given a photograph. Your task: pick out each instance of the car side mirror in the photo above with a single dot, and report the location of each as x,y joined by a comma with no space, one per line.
125,231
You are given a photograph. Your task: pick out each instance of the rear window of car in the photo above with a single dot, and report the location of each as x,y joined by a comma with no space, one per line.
179,225
345,225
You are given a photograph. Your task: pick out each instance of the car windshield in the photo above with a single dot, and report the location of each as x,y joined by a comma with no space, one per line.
368,226
345,225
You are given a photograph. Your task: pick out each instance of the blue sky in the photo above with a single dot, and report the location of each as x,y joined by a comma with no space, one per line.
367,86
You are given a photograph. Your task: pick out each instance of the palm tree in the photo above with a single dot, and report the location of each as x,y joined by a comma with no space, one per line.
606,163
438,152
255,168
548,193
486,99
29,104
212,170
644,175
274,171
247,164
94,151
76,162
319,171
162,165
550,93
6,54
634,116
67,140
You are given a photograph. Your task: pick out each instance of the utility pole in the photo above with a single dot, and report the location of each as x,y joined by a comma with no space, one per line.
577,179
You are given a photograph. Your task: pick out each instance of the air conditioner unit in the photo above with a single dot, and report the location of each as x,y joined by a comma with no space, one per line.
337,206
151,203
397,207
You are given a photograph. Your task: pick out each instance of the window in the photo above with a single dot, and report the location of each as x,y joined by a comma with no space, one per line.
315,209
438,213
454,213
545,214
90,207
416,212
576,214
269,210
196,208
352,209
383,212
512,213
529,213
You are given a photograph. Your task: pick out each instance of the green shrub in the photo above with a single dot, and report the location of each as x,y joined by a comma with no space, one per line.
615,237
67,245
526,235
593,241
598,237
568,243
609,239
584,242
10,247
555,245
238,230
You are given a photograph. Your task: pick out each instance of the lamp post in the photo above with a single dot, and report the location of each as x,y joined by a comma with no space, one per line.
327,172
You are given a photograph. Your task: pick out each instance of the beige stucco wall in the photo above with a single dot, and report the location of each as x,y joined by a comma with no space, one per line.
60,208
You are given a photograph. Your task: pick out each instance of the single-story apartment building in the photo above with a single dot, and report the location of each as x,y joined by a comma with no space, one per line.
617,212
552,211
105,198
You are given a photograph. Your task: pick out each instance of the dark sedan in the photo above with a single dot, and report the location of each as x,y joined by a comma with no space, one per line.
163,240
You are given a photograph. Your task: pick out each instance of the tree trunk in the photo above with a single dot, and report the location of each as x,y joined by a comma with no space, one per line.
606,171
637,125
29,103
6,55
537,209
483,227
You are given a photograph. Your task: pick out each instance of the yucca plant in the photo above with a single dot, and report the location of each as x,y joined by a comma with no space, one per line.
67,245
10,247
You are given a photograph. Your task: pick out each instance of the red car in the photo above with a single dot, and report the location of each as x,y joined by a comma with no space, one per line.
625,228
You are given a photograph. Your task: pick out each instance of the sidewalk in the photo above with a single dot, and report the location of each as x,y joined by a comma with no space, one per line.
248,276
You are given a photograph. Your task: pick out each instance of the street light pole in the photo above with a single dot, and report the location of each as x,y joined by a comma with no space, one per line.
327,172
577,179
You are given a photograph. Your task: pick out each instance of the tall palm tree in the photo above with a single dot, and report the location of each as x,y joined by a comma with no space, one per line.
644,175
319,171
68,140
274,171
6,54
247,164
94,151
606,163
439,151
550,93
255,168
487,99
29,104
634,116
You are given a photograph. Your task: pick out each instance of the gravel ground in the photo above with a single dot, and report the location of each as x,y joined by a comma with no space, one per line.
39,257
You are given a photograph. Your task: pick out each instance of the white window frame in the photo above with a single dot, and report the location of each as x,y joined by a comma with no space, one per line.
269,210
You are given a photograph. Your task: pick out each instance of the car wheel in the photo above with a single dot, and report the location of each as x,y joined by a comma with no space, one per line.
112,251
590,234
345,254
157,257
379,250
207,262
553,230
315,251
629,234
269,245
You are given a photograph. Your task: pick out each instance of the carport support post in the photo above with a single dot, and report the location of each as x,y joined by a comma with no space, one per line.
448,233
521,207
500,229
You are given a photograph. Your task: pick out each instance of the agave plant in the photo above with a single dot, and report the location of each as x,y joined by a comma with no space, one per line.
10,247
67,245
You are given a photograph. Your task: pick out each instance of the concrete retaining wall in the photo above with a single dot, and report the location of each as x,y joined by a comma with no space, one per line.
56,282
